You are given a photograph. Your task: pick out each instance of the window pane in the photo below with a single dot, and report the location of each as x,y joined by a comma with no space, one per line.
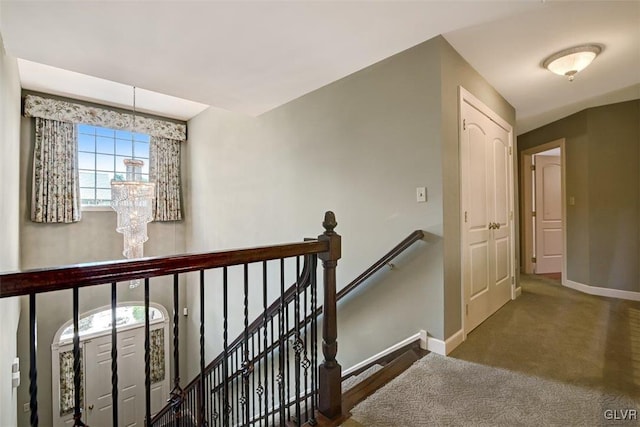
141,137
123,147
105,132
86,142
103,179
142,150
123,134
104,162
87,179
87,194
120,167
104,145
103,194
86,129
86,161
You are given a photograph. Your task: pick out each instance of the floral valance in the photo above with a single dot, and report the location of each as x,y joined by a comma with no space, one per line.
65,111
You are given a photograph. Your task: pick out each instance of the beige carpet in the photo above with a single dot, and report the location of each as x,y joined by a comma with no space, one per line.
553,357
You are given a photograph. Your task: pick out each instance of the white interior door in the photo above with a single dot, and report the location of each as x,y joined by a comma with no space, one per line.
131,400
131,377
98,382
548,190
487,241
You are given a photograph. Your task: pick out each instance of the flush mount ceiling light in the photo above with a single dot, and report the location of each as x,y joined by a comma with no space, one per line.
571,61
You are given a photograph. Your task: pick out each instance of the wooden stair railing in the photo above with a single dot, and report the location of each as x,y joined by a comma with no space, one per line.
261,322
378,265
197,410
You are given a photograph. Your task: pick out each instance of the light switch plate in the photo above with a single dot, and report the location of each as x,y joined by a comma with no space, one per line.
421,194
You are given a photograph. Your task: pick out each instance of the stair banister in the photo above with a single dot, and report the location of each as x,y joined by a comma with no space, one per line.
330,371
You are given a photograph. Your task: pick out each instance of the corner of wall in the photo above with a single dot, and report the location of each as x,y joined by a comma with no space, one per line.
9,225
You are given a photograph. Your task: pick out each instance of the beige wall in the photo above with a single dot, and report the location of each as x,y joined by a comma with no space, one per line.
603,175
92,239
360,147
9,236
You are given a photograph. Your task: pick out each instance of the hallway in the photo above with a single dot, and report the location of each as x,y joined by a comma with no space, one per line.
557,333
554,357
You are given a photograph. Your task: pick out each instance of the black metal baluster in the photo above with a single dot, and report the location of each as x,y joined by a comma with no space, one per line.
77,413
265,343
246,363
273,375
314,339
201,396
296,347
253,374
215,396
209,396
176,397
288,362
225,359
282,339
114,356
33,364
237,384
147,355
305,360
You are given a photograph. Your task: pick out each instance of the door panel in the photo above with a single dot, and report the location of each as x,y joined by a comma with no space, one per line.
98,381
478,179
502,259
479,259
549,224
131,376
501,180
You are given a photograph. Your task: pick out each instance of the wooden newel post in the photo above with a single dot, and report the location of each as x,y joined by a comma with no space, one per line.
330,371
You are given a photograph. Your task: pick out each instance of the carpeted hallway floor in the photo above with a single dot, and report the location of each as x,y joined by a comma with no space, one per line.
554,356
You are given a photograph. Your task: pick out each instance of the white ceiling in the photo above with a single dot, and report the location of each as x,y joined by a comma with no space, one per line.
252,56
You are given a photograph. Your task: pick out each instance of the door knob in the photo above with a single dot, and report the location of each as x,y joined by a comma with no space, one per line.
91,407
497,225
492,225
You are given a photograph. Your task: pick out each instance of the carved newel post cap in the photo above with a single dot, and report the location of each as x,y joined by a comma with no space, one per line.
329,222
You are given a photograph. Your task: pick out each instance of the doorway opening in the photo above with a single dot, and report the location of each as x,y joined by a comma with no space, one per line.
544,210
95,365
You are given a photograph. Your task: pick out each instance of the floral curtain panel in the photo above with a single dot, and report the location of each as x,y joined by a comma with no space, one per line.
156,356
164,170
65,111
67,388
55,192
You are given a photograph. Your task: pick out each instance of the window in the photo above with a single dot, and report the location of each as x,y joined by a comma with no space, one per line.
101,321
101,152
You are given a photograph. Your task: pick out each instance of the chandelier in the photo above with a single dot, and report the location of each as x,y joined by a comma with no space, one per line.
132,199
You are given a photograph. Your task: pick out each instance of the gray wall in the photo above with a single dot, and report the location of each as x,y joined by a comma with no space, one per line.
359,146
92,239
457,72
603,175
9,236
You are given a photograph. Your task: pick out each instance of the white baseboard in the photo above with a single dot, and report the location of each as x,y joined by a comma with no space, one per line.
420,336
603,292
445,347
